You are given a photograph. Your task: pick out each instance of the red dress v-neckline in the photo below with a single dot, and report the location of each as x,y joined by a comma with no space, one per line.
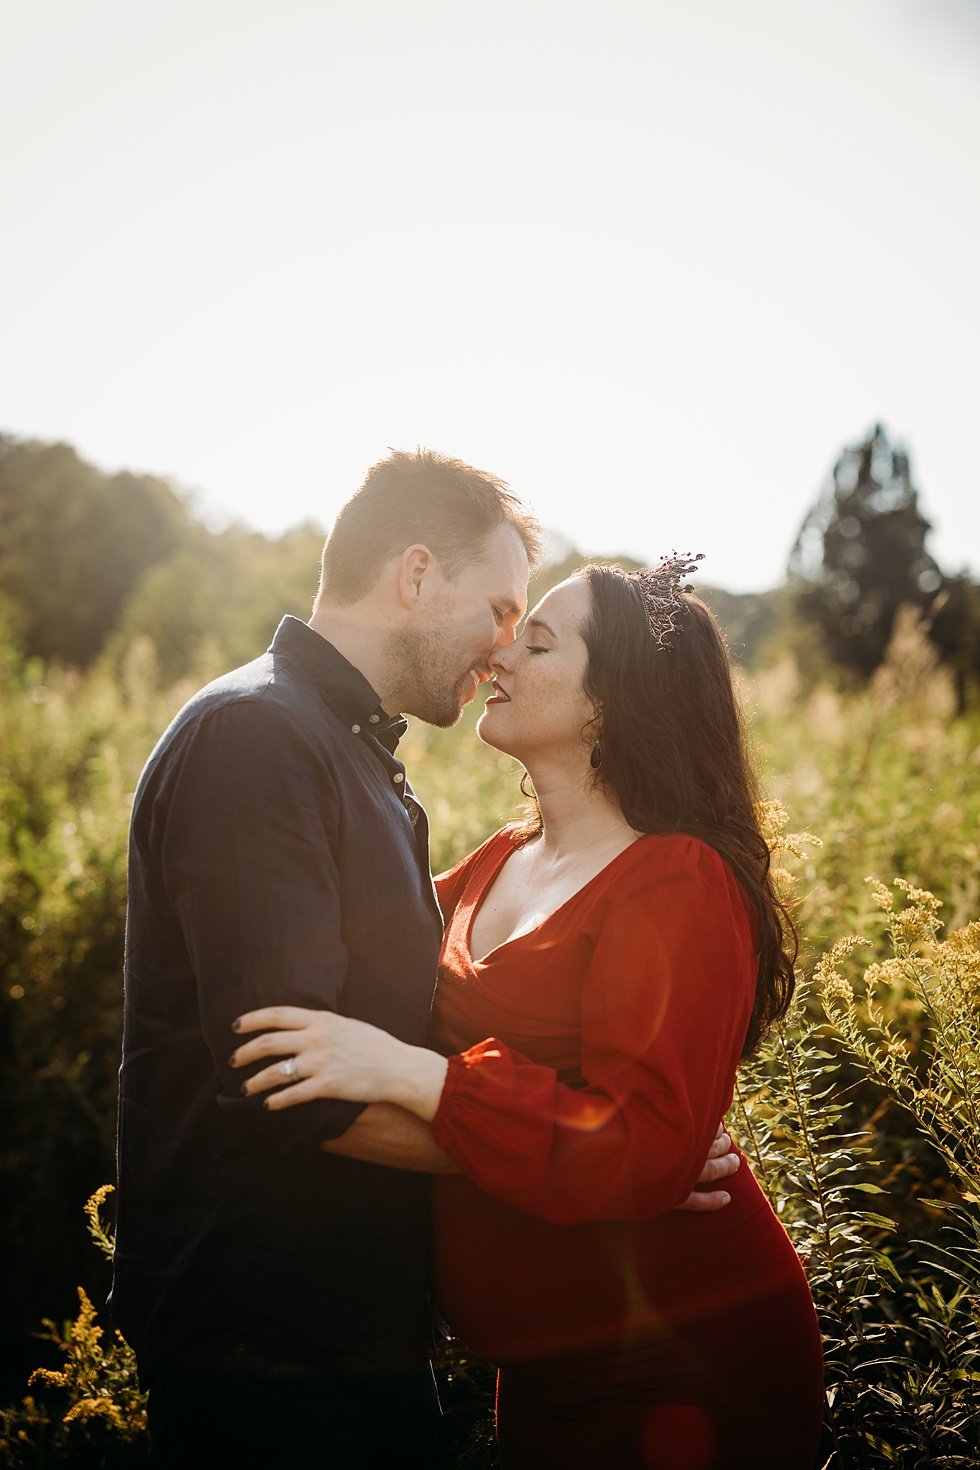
502,851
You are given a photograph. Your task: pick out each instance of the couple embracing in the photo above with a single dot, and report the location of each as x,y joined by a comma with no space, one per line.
351,1096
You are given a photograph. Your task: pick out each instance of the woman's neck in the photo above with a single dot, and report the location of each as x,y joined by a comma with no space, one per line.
577,816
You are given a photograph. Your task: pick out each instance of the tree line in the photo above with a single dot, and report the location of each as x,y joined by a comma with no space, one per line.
91,562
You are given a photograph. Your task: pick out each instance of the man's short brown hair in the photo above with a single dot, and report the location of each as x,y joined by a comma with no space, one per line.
419,498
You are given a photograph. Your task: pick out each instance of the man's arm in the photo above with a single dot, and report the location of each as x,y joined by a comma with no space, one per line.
239,829
386,1134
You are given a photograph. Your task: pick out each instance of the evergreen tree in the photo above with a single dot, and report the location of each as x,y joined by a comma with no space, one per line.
861,553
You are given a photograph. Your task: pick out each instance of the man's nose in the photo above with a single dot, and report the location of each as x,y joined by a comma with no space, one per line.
506,634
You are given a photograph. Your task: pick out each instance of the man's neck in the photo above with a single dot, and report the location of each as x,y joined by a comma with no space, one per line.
361,639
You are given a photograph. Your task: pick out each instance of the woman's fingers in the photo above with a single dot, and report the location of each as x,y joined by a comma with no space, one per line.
269,1044
270,1077
288,1097
275,1018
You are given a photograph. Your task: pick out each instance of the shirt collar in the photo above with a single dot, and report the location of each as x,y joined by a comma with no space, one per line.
342,687
389,729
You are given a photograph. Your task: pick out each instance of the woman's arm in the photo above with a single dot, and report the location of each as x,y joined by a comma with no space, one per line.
327,1055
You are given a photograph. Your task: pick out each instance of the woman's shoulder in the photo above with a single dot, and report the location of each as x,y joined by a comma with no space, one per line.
676,870
669,878
660,860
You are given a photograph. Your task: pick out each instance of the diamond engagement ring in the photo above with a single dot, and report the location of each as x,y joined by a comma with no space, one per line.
288,1068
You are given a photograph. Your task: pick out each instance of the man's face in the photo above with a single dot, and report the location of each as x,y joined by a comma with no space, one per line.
442,656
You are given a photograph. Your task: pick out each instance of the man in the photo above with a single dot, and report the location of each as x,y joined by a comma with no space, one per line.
273,1289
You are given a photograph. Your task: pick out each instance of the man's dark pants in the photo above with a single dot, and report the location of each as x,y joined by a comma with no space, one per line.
245,1413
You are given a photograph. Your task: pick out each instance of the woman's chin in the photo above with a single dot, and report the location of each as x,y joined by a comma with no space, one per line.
489,735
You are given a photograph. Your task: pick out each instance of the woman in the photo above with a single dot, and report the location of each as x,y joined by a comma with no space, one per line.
606,965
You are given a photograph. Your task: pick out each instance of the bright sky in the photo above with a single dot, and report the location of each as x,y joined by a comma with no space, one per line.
652,262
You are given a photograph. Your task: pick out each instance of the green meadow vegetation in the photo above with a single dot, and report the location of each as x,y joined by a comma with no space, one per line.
861,1113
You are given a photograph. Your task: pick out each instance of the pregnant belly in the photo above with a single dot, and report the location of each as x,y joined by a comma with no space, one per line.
514,1287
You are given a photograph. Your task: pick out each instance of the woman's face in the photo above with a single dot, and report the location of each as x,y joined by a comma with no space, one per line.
538,708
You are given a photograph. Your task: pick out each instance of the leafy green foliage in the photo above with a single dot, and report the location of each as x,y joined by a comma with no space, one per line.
72,748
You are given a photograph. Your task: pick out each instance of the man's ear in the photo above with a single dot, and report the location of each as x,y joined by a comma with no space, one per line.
415,564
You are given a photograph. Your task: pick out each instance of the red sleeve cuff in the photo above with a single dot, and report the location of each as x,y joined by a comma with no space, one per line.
442,1119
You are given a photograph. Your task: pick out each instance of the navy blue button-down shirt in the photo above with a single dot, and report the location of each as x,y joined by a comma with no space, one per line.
277,856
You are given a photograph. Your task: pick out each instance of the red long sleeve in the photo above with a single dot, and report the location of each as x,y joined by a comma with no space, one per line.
664,1001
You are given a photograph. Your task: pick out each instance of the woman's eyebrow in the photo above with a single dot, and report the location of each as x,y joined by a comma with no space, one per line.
539,623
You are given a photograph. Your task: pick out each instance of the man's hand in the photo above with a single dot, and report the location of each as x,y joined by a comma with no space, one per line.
721,1163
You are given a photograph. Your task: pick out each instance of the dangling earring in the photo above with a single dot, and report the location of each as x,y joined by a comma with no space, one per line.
524,789
595,759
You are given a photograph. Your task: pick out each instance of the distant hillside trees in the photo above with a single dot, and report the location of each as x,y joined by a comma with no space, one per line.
216,602
90,562
74,542
956,633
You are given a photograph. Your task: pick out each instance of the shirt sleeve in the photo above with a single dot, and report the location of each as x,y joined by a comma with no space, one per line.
243,821
665,1007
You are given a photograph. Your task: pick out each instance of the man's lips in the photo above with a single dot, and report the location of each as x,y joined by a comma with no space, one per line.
478,676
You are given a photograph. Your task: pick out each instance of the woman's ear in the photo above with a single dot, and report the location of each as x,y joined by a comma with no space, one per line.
414,565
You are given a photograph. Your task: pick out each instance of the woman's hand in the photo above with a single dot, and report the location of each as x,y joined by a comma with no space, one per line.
321,1054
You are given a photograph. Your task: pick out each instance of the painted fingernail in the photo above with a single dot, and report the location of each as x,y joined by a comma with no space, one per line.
233,1059
236,1024
244,1089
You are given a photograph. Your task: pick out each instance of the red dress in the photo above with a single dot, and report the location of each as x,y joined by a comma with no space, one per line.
592,1059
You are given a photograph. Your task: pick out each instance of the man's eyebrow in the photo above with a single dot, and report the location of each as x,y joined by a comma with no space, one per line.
539,623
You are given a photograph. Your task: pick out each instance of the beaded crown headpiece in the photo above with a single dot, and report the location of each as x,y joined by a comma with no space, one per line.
663,593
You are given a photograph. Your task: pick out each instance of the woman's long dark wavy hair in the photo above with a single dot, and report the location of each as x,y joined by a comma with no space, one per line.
674,749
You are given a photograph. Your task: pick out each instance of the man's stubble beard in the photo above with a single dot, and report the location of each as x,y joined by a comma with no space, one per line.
419,665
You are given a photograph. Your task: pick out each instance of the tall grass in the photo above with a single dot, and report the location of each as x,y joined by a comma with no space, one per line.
861,1114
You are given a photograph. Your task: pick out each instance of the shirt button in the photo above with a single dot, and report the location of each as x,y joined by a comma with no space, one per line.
398,777
356,729
375,719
